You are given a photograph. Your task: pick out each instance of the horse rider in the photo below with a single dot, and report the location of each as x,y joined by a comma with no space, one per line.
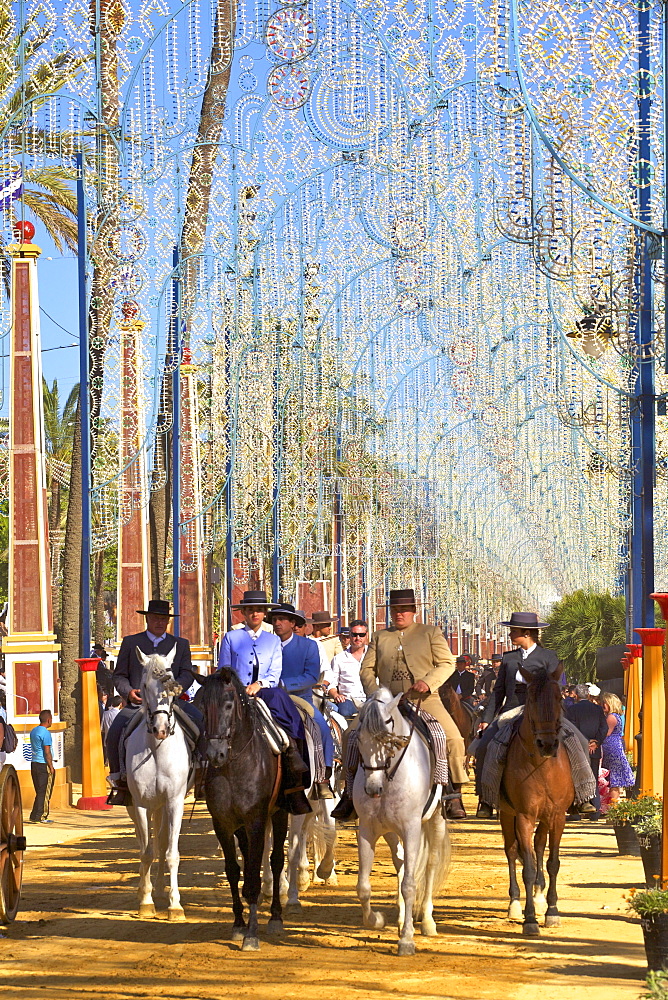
321,625
414,659
342,678
463,680
510,691
255,656
300,671
127,681
485,685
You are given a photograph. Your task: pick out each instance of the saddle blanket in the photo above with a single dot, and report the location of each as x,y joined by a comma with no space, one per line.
431,734
497,752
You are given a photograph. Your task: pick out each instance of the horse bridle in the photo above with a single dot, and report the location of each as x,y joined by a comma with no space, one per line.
228,736
395,743
169,712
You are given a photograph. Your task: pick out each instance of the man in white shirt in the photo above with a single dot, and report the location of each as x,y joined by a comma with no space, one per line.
321,623
343,676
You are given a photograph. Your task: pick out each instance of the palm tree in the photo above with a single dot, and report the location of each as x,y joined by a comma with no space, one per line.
581,623
59,432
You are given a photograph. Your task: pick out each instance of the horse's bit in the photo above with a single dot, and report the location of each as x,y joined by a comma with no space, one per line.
394,743
171,721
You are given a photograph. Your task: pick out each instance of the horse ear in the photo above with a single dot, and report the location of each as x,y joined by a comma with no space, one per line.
526,674
395,701
169,659
141,656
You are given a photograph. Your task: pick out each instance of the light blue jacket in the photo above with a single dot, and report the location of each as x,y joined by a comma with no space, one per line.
242,652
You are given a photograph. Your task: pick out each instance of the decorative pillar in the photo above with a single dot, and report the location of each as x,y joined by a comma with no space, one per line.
632,694
662,601
30,648
133,548
193,593
94,789
653,711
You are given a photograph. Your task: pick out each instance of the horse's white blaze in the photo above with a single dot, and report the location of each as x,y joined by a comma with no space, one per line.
157,768
391,807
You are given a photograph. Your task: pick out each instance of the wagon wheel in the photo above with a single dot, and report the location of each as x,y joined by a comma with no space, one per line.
12,844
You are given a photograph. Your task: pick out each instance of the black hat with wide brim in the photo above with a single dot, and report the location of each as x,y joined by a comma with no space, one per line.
289,610
524,619
254,599
158,608
400,597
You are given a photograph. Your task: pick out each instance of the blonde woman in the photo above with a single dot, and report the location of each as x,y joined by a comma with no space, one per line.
614,757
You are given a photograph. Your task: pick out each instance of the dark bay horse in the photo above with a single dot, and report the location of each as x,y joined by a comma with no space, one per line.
241,787
463,715
536,790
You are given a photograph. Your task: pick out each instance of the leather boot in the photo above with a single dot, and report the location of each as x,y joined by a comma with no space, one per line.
322,790
345,809
485,811
455,807
585,807
296,803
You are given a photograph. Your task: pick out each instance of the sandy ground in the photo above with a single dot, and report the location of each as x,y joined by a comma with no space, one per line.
76,935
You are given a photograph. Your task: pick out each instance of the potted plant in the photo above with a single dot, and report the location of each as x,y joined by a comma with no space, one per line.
621,815
651,905
648,829
657,986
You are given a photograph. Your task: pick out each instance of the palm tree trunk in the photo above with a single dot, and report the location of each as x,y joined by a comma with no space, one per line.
98,615
191,244
70,638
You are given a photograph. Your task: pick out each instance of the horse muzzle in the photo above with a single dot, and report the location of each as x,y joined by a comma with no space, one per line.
217,752
548,748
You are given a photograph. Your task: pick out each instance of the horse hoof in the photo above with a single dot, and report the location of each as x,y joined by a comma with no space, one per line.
428,928
406,948
238,933
275,927
552,920
530,930
332,880
515,911
303,882
176,914
323,870
146,911
375,921
250,944
293,909
540,904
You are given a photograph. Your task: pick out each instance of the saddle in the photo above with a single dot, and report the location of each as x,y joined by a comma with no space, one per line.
275,736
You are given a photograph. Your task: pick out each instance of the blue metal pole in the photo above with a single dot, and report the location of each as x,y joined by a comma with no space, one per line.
84,408
229,534
175,337
643,416
275,512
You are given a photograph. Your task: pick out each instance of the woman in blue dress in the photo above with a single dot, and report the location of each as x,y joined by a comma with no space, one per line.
614,755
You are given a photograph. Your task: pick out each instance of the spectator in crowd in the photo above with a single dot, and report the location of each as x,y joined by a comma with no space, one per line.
590,720
614,753
343,677
42,770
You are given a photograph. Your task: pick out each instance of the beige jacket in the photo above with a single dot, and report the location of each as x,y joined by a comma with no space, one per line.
425,650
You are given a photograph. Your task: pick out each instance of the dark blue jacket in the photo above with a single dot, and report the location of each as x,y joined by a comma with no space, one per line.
301,667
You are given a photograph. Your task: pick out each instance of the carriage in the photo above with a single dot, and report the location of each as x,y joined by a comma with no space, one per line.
12,843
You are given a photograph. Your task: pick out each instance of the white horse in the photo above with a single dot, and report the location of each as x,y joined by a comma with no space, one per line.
392,787
157,767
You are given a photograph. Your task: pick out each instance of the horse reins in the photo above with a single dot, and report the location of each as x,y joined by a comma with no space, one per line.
395,742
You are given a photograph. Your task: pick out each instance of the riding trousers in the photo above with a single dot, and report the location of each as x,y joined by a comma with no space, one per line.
454,740
121,721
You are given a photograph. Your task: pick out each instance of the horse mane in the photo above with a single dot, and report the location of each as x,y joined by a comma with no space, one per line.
156,671
372,718
542,685
216,684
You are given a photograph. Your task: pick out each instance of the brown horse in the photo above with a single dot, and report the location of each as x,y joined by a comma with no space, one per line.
463,717
536,790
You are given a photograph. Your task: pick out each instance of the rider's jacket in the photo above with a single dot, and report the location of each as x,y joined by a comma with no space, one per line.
128,673
419,651
301,667
252,657
509,690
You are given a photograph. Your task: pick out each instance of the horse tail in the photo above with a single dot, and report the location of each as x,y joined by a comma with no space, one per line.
442,859
323,835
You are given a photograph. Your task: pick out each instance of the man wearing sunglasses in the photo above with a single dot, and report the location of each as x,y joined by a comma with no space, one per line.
343,677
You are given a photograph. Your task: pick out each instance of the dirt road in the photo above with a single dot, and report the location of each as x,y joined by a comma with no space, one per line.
76,935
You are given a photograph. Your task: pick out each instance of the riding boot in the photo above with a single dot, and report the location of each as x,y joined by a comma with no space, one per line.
455,806
345,809
322,790
296,803
294,769
484,811
585,807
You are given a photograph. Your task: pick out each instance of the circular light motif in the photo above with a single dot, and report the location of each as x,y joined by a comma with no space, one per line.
409,273
408,233
462,381
288,86
248,82
463,353
291,34
127,243
126,279
408,304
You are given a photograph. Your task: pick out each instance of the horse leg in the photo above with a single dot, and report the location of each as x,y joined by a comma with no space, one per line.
510,846
397,851
556,830
233,871
524,827
280,828
436,832
539,842
253,883
296,841
267,876
412,841
160,835
142,820
366,848
172,819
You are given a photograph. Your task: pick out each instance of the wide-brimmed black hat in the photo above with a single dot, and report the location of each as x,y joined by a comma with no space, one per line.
524,619
405,596
158,608
322,618
254,598
289,610
497,656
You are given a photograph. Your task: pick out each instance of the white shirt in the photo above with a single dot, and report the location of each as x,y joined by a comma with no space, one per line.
525,652
286,641
264,627
156,639
344,675
324,660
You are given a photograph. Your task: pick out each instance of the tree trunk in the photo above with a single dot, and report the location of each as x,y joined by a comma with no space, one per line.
71,610
98,619
55,549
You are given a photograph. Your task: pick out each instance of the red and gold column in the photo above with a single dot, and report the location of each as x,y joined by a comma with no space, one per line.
653,711
94,789
30,649
632,695
193,594
133,548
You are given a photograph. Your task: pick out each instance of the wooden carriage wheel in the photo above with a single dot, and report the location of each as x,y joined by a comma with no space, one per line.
12,844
